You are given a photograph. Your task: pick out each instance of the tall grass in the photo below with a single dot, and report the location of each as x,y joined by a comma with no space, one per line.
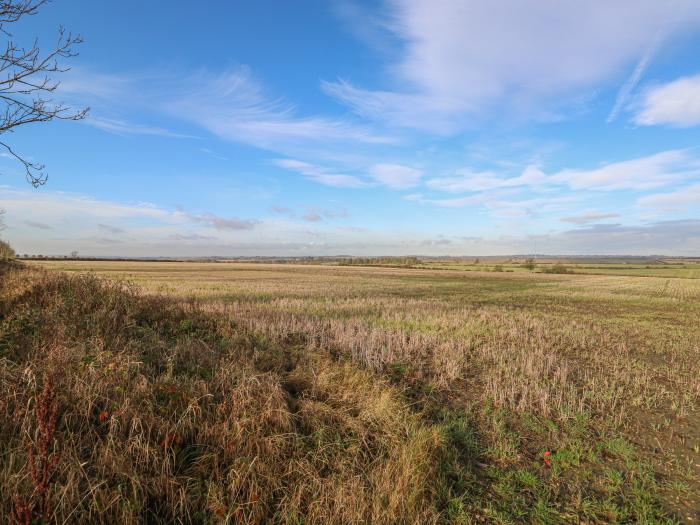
278,393
118,408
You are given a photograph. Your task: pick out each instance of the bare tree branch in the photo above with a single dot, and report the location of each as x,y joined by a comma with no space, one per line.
26,81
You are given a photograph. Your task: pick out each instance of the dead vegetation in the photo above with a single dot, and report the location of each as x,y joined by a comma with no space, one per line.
350,395
119,409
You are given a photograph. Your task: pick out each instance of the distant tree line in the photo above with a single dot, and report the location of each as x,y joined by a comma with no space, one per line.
380,261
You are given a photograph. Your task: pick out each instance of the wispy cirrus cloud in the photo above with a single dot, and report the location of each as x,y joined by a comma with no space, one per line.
625,92
530,59
231,104
321,175
467,180
392,175
123,127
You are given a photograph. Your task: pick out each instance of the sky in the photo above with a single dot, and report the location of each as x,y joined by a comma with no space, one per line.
449,127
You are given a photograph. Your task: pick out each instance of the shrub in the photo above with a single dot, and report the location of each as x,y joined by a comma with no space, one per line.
529,264
6,251
558,268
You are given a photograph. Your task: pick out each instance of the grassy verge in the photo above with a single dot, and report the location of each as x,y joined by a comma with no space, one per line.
119,408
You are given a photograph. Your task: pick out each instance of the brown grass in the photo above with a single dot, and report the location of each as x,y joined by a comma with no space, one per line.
281,393
138,409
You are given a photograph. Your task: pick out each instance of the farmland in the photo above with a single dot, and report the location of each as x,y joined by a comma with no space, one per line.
444,393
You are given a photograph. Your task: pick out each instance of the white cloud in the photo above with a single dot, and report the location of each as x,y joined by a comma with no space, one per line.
489,188
406,110
677,237
673,201
461,57
636,174
676,103
529,207
122,127
396,176
81,84
471,181
589,217
54,207
231,104
149,231
234,106
499,205
312,217
88,219
626,89
321,175
457,202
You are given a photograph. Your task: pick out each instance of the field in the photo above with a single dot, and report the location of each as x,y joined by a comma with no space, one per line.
685,269
682,270
255,393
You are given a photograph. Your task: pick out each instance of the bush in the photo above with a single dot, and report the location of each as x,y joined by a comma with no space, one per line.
6,251
529,264
558,268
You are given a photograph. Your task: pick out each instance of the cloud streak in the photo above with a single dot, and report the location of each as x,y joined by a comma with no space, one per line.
589,217
678,200
320,174
221,223
626,89
231,104
529,59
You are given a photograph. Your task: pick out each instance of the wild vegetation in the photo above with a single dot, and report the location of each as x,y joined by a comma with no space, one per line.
6,251
255,393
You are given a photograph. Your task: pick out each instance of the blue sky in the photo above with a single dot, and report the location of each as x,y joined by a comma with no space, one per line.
345,127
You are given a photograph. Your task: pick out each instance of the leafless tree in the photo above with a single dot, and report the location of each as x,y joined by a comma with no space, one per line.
26,82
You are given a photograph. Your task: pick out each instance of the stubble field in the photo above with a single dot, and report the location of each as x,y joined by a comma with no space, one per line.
361,394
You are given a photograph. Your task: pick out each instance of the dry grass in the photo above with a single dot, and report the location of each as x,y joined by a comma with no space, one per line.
329,394
158,412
